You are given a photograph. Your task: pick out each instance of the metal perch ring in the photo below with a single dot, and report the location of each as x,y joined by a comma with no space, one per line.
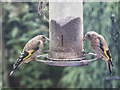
67,62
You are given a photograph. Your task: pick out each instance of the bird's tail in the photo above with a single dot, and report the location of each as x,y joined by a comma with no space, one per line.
15,65
11,72
110,66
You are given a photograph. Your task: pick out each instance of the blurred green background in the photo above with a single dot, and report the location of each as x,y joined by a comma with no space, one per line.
21,22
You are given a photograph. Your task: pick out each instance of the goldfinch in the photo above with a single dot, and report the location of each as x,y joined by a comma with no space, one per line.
31,50
100,48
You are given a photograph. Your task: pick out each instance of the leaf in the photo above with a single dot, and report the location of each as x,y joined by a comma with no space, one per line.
14,32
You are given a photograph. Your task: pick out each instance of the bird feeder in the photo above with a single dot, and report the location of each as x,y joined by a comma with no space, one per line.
65,34
65,39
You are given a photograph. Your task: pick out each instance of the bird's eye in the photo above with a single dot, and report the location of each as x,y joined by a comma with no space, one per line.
44,37
88,36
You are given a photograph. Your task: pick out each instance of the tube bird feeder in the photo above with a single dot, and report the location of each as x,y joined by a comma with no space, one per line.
66,30
66,39
66,33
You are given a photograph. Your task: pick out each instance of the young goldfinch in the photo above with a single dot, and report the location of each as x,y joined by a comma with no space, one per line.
100,47
31,50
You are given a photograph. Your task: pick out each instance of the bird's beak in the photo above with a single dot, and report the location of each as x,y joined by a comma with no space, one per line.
47,39
84,38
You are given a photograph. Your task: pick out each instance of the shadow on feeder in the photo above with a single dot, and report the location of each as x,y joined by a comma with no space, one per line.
66,44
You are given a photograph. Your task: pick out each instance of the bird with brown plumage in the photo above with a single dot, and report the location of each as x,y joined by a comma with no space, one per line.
30,51
100,48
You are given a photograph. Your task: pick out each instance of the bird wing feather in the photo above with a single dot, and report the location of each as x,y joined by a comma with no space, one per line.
26,53
106,52
104,48
23,56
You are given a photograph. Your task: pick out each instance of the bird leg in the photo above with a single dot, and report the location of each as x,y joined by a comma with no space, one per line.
35,59
85,52
98,57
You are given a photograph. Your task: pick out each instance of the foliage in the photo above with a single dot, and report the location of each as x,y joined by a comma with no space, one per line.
21,22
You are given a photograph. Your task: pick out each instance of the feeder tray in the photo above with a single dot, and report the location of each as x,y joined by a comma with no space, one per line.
67,62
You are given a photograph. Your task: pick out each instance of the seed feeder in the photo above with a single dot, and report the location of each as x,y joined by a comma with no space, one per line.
65,34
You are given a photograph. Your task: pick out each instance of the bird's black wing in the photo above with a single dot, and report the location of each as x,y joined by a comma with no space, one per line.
24,55
105,51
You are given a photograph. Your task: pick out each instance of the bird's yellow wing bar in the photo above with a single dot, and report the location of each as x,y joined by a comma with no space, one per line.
105,50
107,53
30,52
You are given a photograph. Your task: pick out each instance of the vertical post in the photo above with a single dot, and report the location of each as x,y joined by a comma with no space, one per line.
66,29
0,46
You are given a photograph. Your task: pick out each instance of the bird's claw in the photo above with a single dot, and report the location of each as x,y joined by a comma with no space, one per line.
98,57
85,52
